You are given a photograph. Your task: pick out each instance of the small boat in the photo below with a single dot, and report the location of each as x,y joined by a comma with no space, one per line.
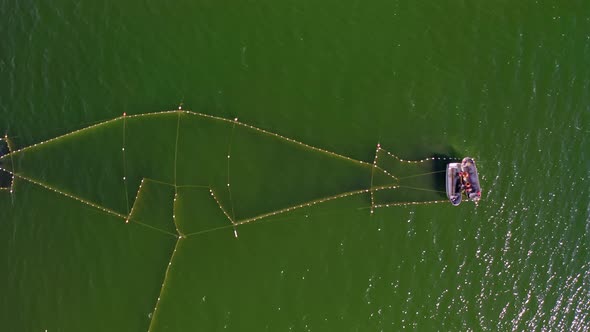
454,184
473,192
463,178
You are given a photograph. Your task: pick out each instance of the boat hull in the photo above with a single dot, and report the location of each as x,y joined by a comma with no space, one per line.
453,183
468,166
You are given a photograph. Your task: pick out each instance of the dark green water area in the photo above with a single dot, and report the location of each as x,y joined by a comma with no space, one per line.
212,166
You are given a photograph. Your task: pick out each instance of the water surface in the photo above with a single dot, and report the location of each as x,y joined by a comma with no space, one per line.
505,83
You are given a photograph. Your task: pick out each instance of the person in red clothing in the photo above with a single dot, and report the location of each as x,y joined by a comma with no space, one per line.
467,187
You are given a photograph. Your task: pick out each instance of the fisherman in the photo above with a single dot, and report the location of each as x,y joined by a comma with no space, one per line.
467,187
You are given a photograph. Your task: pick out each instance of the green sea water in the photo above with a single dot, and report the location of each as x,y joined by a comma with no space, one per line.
506,83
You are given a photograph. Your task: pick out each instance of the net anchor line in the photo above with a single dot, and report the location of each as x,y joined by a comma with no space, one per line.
176,149
422,174
130,215
125,162
303,205
188,186
161,182
132,218
231,202
138,222
162,288
423,189
63,193
233,223
180,234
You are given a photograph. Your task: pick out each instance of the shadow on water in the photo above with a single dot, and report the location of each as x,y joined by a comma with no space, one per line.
419,180
440,164
5,177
